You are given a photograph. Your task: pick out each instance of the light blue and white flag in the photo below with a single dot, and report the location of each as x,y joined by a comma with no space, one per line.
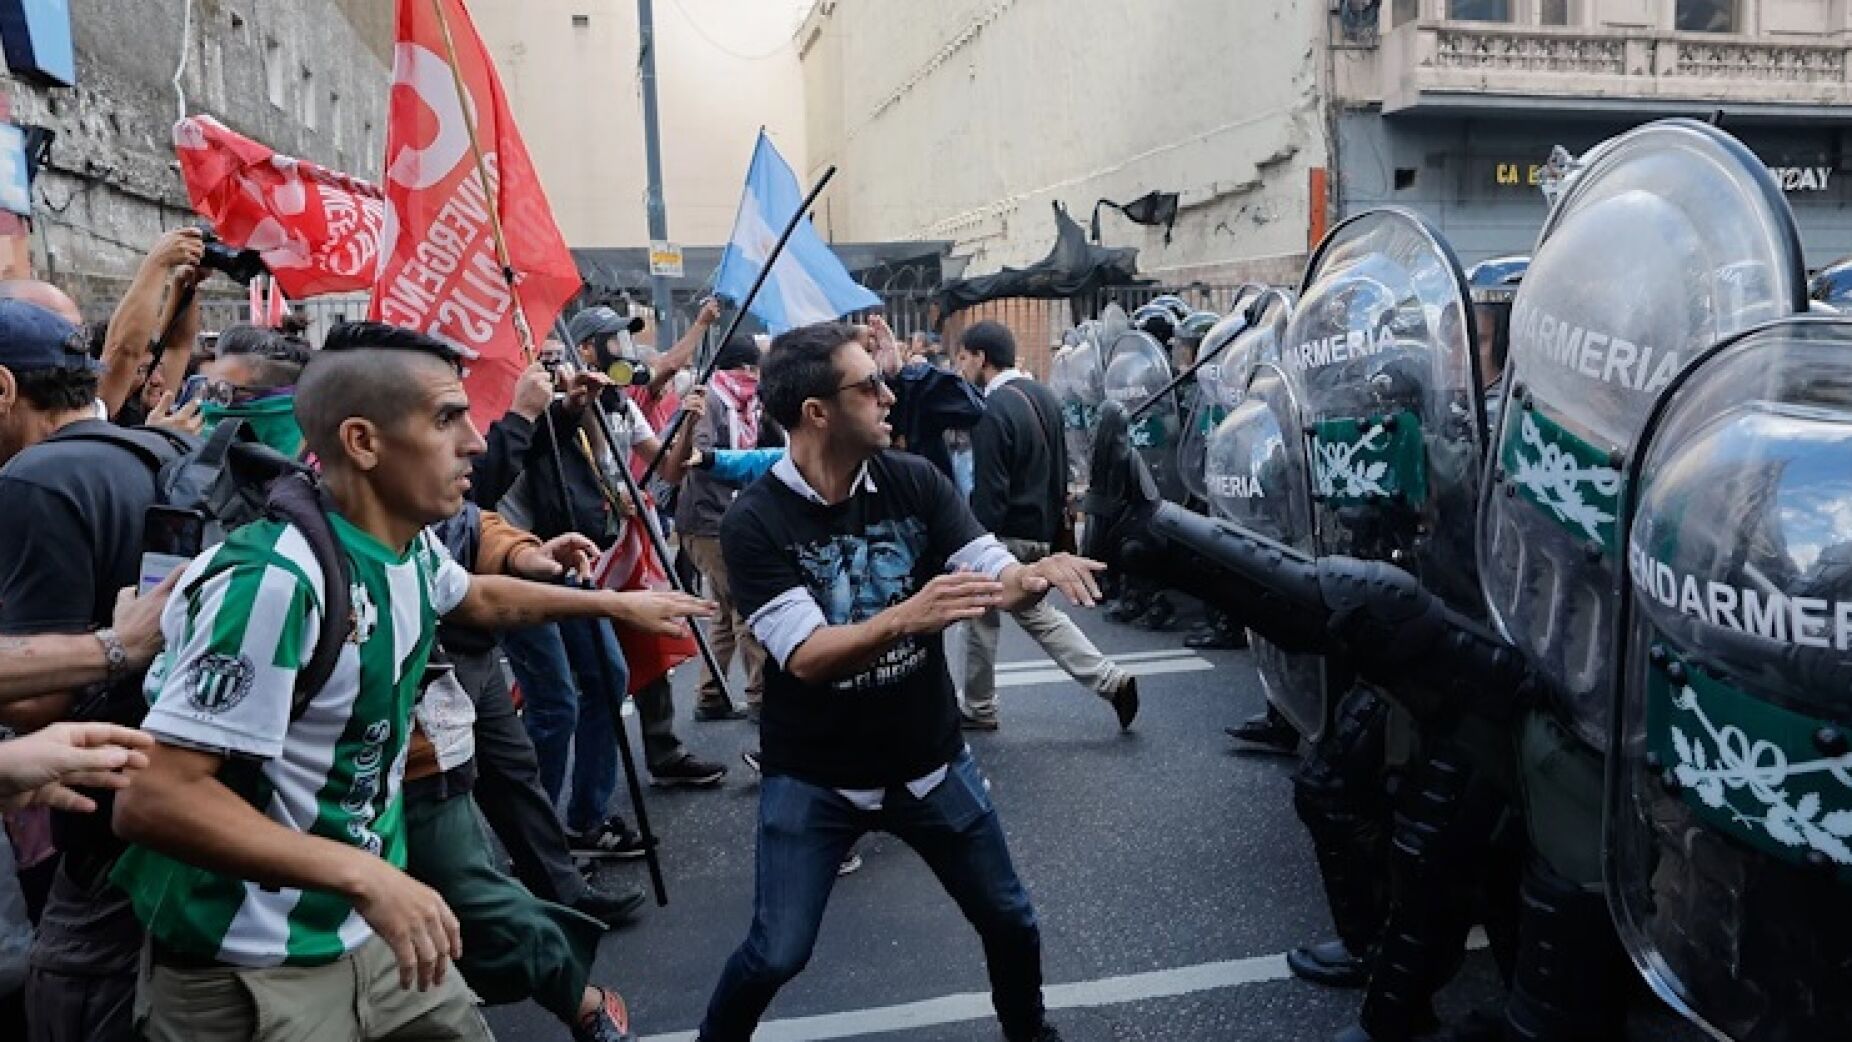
808,284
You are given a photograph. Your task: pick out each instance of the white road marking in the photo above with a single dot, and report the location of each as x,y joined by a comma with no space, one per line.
975,1005
1122,657
1147,668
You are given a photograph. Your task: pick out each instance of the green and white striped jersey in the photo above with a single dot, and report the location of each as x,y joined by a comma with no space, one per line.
244,619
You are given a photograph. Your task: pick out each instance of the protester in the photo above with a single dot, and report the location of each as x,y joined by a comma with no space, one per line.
145,324
252,379
729,419
267,838
51,662
46,767
839,561
1019,493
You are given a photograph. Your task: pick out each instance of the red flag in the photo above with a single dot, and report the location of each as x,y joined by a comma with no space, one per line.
440,271
317,229
631,564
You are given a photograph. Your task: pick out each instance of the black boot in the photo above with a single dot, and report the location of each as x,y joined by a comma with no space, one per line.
1217,633
1572,974
1339,794
1159,617
1269,732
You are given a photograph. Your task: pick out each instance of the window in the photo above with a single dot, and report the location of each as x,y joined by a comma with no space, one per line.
1705,16
1404,11
1479,10
273,71
1553,12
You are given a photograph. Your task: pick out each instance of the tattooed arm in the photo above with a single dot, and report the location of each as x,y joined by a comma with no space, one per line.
55,662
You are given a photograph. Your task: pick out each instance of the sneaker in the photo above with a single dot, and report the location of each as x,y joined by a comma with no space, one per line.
610,839
610,1022
751,756
852,863
970,721
613,908
687,771
709,714
1125,703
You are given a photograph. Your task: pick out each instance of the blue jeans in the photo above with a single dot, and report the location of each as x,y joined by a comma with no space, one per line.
554,664
806,830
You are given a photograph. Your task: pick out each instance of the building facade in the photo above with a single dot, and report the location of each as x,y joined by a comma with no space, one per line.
962,120
724,68
308,78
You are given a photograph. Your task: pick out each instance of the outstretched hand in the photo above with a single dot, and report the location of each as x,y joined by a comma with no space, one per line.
658,612
956,597
42,768
1071,574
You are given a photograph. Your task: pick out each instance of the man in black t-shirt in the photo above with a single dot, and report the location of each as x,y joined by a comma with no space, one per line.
848,562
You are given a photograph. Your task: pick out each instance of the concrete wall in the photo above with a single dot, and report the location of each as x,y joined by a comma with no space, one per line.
307,77
724,68
964,119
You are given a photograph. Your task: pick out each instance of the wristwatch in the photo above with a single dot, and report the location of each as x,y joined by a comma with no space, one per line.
115,656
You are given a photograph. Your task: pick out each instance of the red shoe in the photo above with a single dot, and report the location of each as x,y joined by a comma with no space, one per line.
610,1022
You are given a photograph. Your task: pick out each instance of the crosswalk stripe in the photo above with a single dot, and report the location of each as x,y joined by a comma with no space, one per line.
1120,657
1054,674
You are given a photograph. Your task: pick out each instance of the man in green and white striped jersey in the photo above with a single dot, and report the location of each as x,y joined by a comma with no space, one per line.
270,847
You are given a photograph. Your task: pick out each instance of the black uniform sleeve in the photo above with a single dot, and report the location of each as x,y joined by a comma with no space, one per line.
47,567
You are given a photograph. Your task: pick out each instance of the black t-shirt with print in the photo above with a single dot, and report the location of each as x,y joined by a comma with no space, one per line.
898,719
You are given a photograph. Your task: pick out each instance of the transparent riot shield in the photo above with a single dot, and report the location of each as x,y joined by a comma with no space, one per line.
1136,371
1256,477
1730,784
1078,384
1382,342
1225,360
1673,236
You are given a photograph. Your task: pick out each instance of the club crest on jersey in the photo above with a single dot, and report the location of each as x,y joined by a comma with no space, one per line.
364,618
219,682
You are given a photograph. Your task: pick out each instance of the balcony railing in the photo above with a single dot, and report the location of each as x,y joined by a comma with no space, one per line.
1444,64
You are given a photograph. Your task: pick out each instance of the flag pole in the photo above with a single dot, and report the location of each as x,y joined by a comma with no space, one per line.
765,271
522,331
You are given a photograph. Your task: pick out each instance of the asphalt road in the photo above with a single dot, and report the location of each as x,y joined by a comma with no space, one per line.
1168,870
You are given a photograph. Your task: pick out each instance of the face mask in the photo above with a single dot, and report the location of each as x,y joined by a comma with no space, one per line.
271,420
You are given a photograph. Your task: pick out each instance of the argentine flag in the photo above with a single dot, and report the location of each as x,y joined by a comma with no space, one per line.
808,284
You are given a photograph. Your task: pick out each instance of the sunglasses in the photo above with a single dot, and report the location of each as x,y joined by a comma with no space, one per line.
873,384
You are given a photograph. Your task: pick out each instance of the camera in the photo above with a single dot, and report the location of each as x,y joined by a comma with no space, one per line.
240,266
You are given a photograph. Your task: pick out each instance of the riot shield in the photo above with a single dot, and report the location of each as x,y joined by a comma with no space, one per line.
1730,785
1078,384
1382,341
1136,370
1257,478
1674,236
1225,359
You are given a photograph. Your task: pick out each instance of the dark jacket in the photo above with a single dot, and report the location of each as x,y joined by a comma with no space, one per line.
1019,463
703,498
928,402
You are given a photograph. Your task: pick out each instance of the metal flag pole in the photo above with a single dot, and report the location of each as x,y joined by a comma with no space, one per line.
739,315
658,542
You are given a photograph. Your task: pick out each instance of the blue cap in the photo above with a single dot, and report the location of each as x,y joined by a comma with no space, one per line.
34,339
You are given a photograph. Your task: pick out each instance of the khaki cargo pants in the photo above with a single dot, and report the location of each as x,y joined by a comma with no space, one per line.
354,998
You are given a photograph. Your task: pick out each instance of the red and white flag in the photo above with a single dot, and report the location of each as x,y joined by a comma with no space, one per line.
317,229
631,564
439,271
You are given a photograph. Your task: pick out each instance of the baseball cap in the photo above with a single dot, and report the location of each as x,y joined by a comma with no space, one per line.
600,321
34,339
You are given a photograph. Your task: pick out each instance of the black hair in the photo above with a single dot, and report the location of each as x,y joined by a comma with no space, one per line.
57,390
366,370
801,365
276,359
994,341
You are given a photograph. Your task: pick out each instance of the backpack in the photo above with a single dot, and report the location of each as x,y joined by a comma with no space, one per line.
233,479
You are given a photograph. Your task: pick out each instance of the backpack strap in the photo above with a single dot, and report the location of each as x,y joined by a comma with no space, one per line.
297,500
154,447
